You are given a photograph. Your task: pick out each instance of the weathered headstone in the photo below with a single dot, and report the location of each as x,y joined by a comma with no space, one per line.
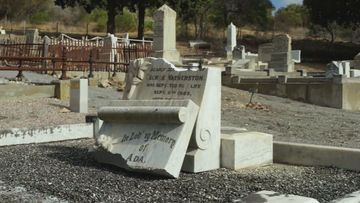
239,52
356,62
32,36
159,81
2,31
164,45
354,73
108,51
231,40
79,95
143,135
338,68
296,56
281,59
264,52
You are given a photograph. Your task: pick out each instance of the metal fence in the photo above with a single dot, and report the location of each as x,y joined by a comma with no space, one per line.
86,56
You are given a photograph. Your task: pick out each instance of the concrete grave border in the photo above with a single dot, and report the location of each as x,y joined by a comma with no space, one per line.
316,155
17,136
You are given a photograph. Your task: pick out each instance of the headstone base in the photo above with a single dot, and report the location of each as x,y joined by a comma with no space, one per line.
172,56
246,149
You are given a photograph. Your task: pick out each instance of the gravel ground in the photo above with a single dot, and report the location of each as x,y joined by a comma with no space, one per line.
66,170
35,112
290,120
30,77
286,119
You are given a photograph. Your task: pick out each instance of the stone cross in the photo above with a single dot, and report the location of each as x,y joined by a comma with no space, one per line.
164,45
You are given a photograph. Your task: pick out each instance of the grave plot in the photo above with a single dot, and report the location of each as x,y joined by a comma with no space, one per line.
159,81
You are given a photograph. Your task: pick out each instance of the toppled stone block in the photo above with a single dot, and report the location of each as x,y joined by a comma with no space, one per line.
246,149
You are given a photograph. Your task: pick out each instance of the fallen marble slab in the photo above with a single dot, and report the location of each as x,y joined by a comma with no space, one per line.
274,197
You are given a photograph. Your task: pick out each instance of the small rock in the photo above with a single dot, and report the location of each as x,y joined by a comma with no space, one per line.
104,84
65,110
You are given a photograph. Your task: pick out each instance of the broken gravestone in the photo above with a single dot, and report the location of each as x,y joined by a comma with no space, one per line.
153,83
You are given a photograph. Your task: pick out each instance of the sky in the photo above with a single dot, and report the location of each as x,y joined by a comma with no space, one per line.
284,3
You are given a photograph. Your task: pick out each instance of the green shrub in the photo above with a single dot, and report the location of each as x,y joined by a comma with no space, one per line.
40,17
99,16
127,22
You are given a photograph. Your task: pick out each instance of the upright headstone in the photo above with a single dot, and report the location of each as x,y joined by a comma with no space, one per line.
108,51
281,59
79,95
32,36
2,31
264,52
126,39
159,81
239,52
231,40
356,62
164,45
296,56
338,68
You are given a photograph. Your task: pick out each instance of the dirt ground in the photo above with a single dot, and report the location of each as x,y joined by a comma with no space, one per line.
290,120
286,119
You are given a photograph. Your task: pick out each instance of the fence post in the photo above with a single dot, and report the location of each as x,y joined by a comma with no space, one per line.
91,61
63,68
45,53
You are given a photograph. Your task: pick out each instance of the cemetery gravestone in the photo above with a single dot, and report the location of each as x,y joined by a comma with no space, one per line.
108,52
165,35
239,52
296,56
338,68
79,95
281,59
231,40
159,81
356,62
264,52
32,36
149,136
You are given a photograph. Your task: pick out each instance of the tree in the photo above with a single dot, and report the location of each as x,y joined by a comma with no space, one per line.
243,12
140,6
294,15
328,14
113,8
22,9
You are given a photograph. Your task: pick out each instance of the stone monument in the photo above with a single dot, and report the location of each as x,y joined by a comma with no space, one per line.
79,95
32,36
231,40
264,52
153,82
281,58
164,45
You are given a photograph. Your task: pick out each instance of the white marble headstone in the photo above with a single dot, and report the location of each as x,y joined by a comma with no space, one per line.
231,39
157,79
79,95
147,136
164,45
